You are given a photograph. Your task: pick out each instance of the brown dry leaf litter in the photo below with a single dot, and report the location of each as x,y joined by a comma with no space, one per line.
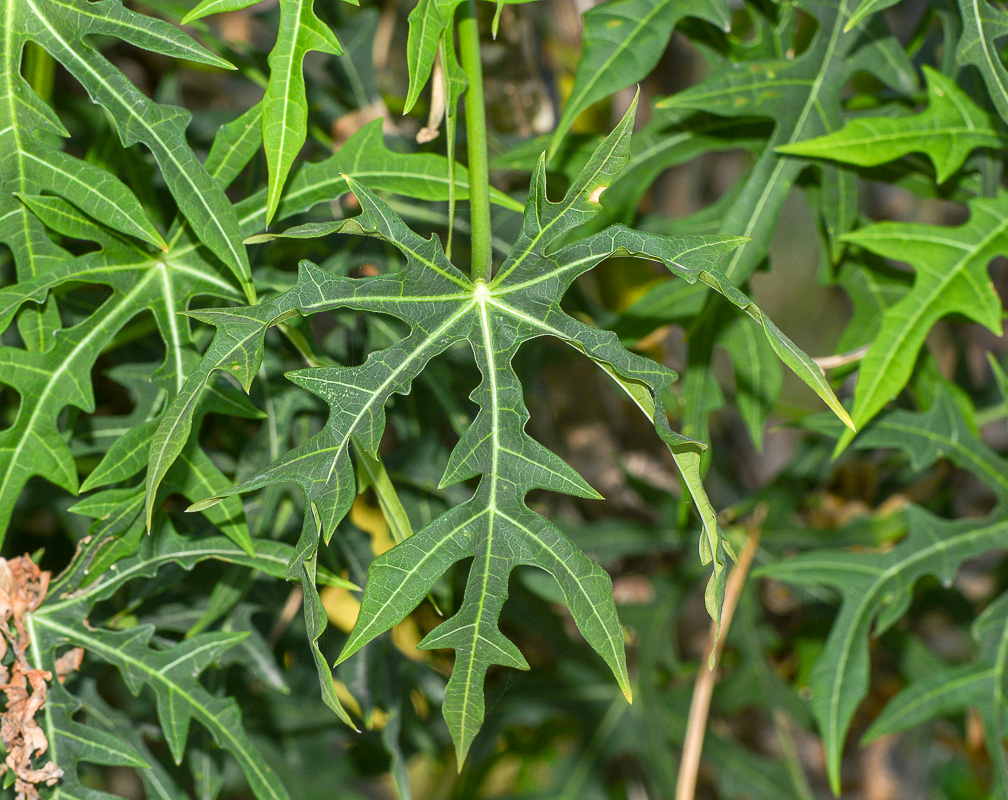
22,587
68,663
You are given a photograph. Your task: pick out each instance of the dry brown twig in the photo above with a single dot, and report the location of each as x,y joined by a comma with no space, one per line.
432,130
696,723
843,359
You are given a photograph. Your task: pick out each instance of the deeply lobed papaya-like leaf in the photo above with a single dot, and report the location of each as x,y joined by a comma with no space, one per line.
64,29
949,129
46,193
803,97
161,279
979,684
623,40
170,672
876,587
60,376
494,527
951,278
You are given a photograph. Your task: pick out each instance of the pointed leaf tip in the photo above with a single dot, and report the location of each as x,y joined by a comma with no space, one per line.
845,439
203,505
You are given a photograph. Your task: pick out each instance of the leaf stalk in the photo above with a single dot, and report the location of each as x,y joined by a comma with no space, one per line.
476,145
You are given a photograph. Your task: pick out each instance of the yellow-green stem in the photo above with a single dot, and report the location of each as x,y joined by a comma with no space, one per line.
476,144
39,70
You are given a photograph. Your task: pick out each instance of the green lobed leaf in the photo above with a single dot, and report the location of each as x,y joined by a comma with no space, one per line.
623,40
170,671
939,432
979,684
803,96
48,382
73,743
63,28
949,129
94,191
951,277
31,163
103,718
671,138
125,457
443,307
757,375
876,587
171,674
284,107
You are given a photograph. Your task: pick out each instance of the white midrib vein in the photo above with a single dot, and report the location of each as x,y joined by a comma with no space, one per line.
594,256
123,576
175,345
482,296
987,54
277,185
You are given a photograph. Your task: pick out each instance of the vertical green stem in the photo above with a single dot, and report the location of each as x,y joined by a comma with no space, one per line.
476,143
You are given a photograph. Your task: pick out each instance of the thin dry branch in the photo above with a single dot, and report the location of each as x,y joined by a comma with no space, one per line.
696,724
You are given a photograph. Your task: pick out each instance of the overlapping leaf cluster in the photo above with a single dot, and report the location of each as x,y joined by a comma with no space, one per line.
958,125
50,200
828,146
442,308
110,388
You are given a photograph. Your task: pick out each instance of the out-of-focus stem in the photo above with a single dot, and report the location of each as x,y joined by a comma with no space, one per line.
476,144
